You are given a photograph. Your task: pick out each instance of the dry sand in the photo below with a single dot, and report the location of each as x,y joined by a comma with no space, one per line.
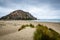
25,34
9,29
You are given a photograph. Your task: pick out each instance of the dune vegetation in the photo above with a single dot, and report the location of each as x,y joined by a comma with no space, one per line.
24,26
42,32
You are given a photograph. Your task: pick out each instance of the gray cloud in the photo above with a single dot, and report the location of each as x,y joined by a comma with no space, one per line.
55,4
38,8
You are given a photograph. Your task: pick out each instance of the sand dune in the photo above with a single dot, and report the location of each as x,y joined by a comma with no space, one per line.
9,29
54,26
25,34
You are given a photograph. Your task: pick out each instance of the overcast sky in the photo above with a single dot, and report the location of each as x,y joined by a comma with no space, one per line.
42,9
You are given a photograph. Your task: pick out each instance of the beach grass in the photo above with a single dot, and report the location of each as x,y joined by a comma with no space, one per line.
44,33
31,25
24,26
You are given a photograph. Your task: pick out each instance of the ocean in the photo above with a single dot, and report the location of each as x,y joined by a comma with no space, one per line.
48,20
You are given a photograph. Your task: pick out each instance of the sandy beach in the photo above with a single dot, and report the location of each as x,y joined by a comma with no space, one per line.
9,29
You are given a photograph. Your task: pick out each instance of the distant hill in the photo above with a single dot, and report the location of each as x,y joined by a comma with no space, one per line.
18,15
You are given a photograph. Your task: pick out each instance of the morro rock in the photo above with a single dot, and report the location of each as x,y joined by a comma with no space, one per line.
18,15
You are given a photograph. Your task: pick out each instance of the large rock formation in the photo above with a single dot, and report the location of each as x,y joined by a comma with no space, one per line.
18,15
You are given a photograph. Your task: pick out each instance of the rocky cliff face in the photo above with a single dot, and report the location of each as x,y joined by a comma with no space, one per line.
18,15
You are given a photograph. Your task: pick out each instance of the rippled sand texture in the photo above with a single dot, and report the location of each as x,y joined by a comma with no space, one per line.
9,29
